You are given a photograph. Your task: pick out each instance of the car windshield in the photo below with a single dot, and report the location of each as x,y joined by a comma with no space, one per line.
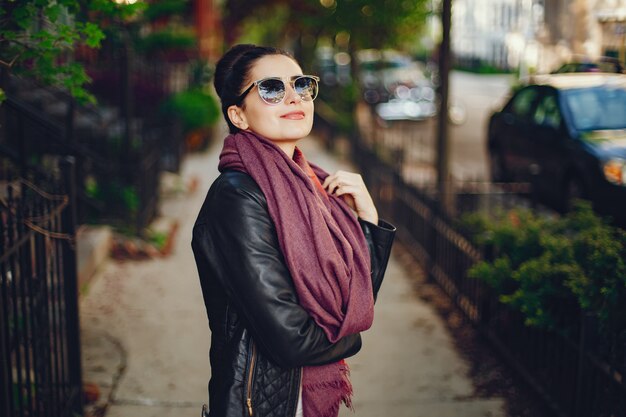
597,108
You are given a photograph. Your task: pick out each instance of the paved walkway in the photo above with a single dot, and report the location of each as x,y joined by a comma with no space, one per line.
146,338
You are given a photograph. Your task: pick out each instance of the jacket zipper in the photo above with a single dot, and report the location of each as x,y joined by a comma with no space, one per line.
250,374
299,393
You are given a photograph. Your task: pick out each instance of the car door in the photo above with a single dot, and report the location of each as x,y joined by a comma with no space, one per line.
516,131
546,144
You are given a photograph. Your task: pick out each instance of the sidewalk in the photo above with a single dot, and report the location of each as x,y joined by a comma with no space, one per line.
146,339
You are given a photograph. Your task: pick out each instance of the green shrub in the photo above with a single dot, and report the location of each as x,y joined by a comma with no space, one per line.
167,39
164,9
552,268
479,66
195,108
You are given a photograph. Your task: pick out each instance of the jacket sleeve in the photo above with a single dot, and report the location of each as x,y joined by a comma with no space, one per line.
237,238
379,240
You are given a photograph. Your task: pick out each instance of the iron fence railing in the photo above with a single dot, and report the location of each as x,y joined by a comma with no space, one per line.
39,326
117,177
137,88
568,370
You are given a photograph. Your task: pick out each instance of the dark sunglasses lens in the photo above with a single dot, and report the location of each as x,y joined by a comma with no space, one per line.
306,87
272,91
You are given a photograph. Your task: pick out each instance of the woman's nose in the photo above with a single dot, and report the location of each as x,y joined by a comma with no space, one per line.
291,96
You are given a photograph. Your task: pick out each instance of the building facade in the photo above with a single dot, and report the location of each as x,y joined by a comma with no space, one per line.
492,31
537,35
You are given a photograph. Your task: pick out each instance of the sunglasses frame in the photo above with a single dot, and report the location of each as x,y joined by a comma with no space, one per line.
292,82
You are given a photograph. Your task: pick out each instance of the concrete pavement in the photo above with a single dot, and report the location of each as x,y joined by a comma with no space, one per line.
145,336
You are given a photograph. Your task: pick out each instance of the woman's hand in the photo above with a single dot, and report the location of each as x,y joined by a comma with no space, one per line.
352,189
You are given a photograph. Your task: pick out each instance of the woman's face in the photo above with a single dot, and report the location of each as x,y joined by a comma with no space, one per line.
287,121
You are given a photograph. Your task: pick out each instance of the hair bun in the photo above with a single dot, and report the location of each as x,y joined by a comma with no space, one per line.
226,64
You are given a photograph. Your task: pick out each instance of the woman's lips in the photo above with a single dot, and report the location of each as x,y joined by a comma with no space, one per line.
294,115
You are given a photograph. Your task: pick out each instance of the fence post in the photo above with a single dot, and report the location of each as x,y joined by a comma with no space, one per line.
431,239
70,271
583,343
5,373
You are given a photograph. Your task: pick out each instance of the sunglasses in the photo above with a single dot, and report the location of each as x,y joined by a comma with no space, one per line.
273,90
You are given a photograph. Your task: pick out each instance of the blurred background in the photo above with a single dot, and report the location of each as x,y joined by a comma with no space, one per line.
491,132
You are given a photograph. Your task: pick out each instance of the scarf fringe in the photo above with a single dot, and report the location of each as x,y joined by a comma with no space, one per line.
343,385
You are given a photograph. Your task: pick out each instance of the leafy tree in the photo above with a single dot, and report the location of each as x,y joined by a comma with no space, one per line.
367,23
38,37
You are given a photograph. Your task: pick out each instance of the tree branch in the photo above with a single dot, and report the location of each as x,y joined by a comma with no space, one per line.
10,63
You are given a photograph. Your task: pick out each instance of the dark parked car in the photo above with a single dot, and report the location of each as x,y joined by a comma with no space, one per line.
602,64
566,135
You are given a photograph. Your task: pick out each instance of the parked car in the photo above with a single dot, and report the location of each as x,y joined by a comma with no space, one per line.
566,135
581,64
388,75
401,88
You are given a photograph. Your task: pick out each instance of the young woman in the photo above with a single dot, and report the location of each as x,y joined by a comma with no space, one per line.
290,258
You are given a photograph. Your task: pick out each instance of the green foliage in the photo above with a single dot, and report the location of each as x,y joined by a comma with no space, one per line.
157,238
164,8
601,252
37,38
113,192
368,23
195,108
167,39
265,26
130,198
116,13
481,67
550,269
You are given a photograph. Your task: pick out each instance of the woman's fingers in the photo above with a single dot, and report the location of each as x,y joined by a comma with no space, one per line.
351,188
346,189
332,185
342,179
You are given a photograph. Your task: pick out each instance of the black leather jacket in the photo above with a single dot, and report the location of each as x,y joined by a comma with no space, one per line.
260,335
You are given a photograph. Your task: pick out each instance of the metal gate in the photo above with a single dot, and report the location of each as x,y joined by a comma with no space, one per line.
40,372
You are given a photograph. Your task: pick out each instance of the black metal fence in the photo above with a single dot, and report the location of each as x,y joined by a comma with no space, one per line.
118,165
137,87
570,373
39,329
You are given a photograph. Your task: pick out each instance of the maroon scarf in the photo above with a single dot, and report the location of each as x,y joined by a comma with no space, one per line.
324,249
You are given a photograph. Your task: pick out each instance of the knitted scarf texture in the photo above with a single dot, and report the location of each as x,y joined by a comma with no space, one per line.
324,249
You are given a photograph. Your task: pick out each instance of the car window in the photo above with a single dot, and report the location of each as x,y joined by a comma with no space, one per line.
547,112
597,108
523,101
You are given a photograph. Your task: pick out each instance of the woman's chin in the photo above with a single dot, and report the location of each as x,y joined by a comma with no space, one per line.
295,133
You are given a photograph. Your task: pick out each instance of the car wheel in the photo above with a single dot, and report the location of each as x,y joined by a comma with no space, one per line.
496,164
574,190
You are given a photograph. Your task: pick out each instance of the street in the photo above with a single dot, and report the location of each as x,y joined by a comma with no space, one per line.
479,95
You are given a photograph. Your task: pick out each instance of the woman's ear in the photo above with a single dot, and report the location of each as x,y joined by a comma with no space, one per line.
237,117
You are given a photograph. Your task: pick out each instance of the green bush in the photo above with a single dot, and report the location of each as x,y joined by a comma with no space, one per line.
552,268
167,39
164,9
195,108
479,66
